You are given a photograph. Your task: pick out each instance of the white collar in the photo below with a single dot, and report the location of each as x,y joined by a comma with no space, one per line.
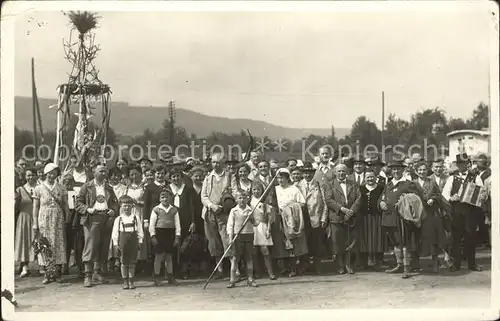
177,189
371,188
163,207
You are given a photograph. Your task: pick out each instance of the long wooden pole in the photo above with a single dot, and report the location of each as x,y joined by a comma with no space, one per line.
33,94
266,191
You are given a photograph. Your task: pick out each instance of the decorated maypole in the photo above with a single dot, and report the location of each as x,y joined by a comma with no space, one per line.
84,89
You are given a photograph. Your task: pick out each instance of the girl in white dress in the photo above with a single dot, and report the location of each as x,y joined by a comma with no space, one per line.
262,231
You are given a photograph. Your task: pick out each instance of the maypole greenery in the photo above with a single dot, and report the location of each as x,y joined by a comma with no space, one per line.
83,88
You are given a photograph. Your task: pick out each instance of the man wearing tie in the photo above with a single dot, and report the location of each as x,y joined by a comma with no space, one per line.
464,216
97,202
314,213
340,198
325,172
358,175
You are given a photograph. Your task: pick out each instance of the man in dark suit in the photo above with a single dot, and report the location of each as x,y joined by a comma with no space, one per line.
358,174
97,203
440,176
340,196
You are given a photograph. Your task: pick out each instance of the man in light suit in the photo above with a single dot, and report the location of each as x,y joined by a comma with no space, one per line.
325,172
315,213
340,198
97,203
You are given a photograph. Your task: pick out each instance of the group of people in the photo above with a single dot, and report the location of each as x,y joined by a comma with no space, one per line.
260,216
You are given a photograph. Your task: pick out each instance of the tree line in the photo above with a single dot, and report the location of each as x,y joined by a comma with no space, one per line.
430,124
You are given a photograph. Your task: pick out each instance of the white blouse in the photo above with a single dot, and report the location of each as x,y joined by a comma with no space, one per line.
289,195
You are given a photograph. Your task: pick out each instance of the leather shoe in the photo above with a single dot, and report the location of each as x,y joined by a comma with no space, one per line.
476,268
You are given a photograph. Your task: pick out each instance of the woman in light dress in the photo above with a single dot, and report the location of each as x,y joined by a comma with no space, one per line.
284,249
24,222
50,207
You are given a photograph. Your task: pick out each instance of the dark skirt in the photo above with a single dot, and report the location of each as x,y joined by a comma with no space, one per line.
433,235
165,238
406,234
279,249
370,238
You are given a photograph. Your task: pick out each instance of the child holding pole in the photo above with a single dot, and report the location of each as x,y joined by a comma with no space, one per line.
127,237
165,231
262,230
240,223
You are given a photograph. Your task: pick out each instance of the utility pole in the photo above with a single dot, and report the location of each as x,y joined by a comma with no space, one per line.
171,114
383,121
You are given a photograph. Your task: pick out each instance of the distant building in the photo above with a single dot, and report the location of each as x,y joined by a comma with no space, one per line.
469,141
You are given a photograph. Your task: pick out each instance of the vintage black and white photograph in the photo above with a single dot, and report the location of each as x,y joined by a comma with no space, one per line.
171,158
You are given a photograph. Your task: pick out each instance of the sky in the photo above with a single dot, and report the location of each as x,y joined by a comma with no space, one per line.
295,69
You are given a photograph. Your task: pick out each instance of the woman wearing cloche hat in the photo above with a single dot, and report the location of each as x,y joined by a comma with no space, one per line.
50,207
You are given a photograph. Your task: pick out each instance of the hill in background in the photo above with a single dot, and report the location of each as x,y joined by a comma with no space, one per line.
133,120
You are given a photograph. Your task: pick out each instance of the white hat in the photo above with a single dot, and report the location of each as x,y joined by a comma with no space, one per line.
49,168
283,170
300,163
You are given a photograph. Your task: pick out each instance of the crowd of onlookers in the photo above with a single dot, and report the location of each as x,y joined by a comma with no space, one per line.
180,219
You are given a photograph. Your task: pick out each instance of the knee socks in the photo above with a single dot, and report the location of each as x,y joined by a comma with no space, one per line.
169,264
399,255
124,270
159,258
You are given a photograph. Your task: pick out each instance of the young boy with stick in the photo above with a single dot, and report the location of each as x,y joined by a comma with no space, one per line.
241,218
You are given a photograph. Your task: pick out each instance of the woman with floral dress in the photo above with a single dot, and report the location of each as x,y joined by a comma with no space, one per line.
49,214
24,222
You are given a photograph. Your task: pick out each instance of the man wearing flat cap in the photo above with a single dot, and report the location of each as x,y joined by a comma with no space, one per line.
97,203
464,216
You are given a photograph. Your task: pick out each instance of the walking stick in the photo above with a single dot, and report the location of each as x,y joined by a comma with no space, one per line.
242,226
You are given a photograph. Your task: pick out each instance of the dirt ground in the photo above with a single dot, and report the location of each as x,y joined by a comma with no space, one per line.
462,289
